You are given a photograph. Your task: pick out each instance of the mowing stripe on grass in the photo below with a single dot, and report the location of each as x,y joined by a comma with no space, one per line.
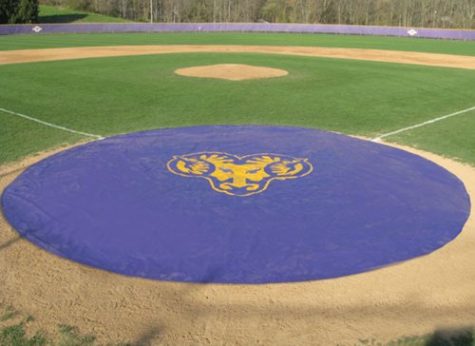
51,124
404,129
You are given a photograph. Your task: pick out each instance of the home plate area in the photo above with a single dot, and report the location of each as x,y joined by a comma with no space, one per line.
237,204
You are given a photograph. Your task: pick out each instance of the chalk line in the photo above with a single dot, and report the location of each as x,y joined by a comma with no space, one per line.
404,129
45,123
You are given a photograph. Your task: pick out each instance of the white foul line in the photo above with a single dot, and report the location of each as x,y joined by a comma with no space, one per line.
380,137
51,125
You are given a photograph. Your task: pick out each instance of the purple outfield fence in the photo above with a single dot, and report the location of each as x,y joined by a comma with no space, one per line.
239,27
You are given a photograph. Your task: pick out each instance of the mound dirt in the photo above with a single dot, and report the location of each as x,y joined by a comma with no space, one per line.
234,72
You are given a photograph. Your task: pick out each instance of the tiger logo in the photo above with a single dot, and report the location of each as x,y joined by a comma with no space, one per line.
239,175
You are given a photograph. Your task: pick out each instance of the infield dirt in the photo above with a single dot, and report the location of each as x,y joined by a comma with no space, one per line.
52,54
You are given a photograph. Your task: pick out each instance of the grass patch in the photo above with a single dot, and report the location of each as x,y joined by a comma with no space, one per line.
56,15
8,313
70,336
16,336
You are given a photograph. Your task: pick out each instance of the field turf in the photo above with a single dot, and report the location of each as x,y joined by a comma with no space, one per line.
108,96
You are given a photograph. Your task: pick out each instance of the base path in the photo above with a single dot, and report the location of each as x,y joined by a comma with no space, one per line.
403,57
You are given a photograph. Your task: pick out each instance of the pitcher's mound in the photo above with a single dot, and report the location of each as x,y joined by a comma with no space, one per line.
231,72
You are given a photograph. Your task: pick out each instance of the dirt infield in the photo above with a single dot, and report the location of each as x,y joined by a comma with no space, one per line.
235,72
403,57
412,298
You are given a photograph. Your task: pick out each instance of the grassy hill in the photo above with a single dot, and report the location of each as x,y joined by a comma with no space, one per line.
53,14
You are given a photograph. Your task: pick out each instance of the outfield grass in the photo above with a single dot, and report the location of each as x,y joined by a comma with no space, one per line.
454,137
346,41
109,96
55,14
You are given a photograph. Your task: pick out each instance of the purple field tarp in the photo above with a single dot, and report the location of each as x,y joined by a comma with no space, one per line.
239,27
237,204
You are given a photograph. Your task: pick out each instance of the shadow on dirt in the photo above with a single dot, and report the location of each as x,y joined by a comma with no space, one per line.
150,337
9,243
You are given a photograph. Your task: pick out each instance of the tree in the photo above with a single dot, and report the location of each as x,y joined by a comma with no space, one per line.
7,10
27,11
18,11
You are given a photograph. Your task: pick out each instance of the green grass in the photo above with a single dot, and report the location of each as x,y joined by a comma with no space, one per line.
17,137
15,331
373,42
70,336
16,335
452,137
109,96
54,14
8,313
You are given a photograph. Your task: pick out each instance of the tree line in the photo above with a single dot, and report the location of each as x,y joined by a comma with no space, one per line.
18,11
407,13
416,13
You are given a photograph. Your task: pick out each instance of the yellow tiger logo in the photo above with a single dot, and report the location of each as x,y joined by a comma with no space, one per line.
239,175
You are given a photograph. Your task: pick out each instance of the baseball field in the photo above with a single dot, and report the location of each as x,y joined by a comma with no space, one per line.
60,91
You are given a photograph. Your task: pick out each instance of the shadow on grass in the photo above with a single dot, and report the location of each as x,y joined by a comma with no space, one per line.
62,18
440,337
452,337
